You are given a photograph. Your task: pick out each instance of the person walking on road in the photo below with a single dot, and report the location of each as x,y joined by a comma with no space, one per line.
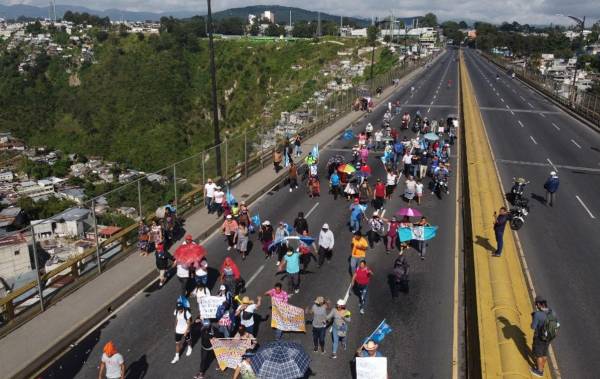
379,195
392,234
230,275
278,295
291,265
334,183
326,243
360,281
162,262
209,194
293,176
545,327
277,159
241,239
359,250
266,235
229,230
421,244
183,326
500,221
218,199
319,311
112,363
300,224
280,233
246,312
339,327
551,186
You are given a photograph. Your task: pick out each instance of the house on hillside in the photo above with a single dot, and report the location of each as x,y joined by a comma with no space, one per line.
12,219
15,258
72,223
74,194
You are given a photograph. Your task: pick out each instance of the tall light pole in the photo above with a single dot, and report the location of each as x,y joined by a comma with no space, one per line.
581,23
213,79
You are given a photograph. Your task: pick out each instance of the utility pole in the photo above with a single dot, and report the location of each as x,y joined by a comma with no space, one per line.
290,19
341,24
213,77
581,23
319,24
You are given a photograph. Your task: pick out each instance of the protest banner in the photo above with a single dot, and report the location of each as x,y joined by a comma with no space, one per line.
229,351
287,318
209,304
371,368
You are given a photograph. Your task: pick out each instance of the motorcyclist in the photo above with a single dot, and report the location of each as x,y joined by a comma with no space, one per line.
440,174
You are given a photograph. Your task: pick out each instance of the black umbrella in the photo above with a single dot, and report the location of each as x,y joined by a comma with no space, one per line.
280,360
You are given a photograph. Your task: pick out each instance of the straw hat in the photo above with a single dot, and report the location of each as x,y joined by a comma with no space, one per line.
246,300
370,346
319,300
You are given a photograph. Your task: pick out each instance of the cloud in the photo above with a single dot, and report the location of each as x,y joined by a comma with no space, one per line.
530,11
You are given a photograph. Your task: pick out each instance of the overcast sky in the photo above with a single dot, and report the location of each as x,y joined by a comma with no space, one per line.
522,11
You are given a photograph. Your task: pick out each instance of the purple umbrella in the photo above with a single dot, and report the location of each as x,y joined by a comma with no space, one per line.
410,212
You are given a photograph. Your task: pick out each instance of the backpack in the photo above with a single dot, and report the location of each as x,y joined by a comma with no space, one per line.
550,327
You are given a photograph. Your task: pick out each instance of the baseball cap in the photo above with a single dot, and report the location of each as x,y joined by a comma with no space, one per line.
539,299
325,226
228,217
553,173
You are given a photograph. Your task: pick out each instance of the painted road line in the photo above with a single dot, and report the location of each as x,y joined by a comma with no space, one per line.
502,100
520,123
507,107
534,141
530,105
552,164
556,126
544,164
512,113
584,206
522,98
311,210
255,275
576,144
543,115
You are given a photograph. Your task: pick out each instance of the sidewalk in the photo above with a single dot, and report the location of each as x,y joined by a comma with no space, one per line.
28,348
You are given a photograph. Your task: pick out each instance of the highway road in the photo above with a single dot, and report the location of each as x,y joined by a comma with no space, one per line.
530,137
421,344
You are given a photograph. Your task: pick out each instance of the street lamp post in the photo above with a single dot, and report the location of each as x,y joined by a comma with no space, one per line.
213,79
581,23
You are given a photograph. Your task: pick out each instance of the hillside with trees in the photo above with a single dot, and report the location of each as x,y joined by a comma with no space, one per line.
144,100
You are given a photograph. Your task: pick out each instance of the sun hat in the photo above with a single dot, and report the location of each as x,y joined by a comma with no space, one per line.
246,300
553,173
370,346
267,222
228,217
319,300
340,303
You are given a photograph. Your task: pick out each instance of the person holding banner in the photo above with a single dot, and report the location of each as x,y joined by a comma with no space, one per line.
244,369
422,244
369,349
246,312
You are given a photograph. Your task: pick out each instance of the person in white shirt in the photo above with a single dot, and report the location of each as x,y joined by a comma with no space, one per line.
183,325
209,194
369,130
183,275
390,183
112,363
326,243
378,139
219,195
200,292
246,312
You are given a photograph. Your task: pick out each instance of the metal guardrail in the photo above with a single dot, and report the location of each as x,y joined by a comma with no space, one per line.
585,104
19,305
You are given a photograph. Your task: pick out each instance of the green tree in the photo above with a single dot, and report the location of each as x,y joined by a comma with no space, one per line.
274,30
429,20
463,25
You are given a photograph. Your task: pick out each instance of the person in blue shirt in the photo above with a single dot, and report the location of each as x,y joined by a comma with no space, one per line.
291,265
551,186
500,221
356,215
334,181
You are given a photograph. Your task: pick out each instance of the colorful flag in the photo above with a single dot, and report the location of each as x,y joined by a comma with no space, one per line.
230,197
315,151
256,220
348,135
379,333
286,160
419,233
287,318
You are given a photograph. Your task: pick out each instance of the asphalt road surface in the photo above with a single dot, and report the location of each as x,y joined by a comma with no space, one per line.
420,345
531,137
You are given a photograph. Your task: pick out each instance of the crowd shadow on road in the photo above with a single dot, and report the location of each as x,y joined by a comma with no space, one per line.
515,333
485,243
137,369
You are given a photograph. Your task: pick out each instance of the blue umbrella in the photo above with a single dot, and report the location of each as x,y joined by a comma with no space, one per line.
307,240
431,136
280,360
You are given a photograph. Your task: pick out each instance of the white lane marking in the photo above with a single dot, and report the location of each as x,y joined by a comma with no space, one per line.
311,210
428,109
576,144
520,123
530,105
502,99
534,141
512,113
507,107
584,206
255,275
552,164
556,126
543,115
522,98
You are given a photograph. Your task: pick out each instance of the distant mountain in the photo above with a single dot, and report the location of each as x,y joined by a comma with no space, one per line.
282,14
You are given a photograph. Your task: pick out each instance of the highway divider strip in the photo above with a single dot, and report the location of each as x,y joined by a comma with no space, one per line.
502,303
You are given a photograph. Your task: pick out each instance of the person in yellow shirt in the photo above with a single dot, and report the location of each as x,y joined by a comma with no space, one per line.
359,250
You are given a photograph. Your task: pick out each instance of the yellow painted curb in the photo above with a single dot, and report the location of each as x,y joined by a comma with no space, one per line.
503,303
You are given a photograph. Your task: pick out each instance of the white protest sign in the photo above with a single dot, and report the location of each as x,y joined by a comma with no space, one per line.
371,368
208,305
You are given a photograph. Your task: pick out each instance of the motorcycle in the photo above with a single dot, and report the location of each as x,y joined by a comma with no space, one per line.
440,186
517,193
517,216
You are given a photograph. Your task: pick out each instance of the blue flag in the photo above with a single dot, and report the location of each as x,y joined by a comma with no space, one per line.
256,220
230,197
348,135
419,233
289,228
379,333
315,151
383,160
286,160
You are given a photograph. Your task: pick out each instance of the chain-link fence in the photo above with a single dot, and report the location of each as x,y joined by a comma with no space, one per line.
52,256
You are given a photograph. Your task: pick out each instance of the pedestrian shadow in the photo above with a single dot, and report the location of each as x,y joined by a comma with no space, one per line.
539,198
485,243
138,369
213,277
515,333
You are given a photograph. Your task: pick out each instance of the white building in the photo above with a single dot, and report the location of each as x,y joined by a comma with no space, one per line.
269,16
14,256
358,32
6,176
251,19
36,190
72,223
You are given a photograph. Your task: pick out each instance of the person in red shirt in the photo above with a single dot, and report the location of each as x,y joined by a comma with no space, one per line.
378,195
360,280
366,169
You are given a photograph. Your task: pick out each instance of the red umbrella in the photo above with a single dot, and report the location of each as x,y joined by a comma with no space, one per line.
189,254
